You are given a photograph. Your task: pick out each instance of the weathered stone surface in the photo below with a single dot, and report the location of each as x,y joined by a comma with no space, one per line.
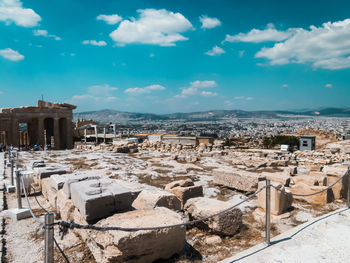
237,179
281,200
37,163
140,246
318,199
185,190
65,206
333,173
277,177
97,199
149,199
48,192
312,180
226,224
58,180
48,171
73,179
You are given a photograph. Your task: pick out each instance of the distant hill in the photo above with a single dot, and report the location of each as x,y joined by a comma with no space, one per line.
115,116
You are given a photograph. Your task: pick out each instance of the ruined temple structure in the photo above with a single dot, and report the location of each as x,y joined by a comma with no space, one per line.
46,124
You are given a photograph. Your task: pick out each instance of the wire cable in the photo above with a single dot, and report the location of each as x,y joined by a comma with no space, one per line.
64,226
30,208
325,189
61,250
37,201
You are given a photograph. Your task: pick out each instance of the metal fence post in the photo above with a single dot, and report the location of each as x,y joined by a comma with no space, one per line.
11,161
49,231
267,211
18,190
348,194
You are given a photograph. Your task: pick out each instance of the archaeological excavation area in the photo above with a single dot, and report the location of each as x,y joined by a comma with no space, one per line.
127,199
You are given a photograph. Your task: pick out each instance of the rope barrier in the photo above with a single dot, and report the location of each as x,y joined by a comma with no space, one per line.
64,226
29,206
321,191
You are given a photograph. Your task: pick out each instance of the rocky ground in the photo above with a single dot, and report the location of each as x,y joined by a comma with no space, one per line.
154,169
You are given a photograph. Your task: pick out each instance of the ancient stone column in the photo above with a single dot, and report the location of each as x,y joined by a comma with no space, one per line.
56,134
41,131
69,134
15,133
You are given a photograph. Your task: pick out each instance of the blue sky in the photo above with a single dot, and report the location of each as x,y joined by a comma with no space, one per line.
175,56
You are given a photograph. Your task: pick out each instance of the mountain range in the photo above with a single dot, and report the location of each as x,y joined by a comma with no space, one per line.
108,115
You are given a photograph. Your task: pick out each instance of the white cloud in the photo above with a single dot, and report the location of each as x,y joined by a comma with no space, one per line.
194,88
257,35
11,54
95,43
204,84
327,47
102,90
44,33
209,22
243,98
147,89
215,51
285,86
208,94
13,11
110,19
241,53
329,85
96,94
157,27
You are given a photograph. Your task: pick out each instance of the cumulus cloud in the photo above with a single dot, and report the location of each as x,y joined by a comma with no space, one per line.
96,94
204,84
11,54
327,47
147,89
329,85
95,43
215,51
195,87
103,90
13,11
44,33
208,94
157,27
110,19
209,22
243,98
257,35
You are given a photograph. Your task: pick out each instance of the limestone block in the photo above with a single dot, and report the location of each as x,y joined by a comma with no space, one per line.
48,192
58,180
48,171
139,246
184,190
72,178
312,179
237,179
277,177
280,201
37,163
149,199
97,199
333,174
318,199
65,206
226,224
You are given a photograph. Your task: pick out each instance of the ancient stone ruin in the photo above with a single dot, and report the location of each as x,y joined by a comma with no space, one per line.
46,124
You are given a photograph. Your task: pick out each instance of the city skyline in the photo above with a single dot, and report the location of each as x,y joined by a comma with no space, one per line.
175,56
